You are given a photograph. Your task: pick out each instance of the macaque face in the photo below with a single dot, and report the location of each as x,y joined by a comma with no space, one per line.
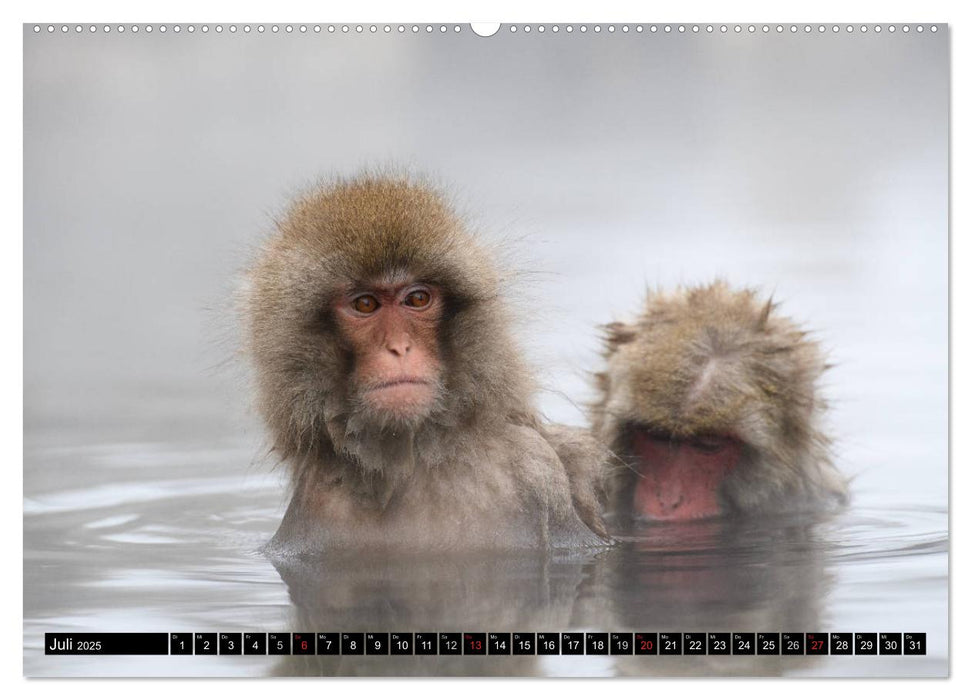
710,400
680,478
392,330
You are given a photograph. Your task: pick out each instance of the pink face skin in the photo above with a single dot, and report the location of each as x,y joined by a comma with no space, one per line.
393,331
680,479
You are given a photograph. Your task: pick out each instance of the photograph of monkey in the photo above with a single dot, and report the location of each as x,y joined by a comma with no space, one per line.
391,386
565,328
711,402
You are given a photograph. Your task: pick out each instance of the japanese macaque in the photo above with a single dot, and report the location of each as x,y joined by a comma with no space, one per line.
710,400
392,389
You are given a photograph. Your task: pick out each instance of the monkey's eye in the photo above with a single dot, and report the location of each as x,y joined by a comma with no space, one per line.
365,304
709,444
418,299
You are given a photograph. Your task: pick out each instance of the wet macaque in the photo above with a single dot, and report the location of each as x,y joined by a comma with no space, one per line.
710,401
391,386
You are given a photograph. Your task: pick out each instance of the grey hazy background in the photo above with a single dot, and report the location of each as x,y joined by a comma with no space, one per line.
811,165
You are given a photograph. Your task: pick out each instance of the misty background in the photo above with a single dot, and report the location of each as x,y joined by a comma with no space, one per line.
813,166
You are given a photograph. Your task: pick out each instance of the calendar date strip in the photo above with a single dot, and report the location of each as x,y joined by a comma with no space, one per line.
487,643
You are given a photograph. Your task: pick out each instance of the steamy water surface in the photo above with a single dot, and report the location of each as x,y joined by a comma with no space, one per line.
812,167
166,537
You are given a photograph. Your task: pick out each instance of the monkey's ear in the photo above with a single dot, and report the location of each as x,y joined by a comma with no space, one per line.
617,334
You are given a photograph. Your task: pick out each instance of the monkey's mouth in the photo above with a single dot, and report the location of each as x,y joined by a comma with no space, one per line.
401,398
400,381
680,478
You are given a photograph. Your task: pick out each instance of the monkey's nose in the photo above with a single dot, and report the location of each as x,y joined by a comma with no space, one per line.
399,346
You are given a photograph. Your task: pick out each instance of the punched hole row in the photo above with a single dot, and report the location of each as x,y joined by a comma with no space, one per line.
512,28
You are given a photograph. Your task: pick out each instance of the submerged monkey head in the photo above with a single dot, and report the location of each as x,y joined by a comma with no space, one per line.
711,399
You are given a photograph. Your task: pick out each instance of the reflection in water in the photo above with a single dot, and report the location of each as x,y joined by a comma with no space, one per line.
705,576
441,593
752,576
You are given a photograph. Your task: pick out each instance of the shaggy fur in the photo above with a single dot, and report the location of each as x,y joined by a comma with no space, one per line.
476,469
713,360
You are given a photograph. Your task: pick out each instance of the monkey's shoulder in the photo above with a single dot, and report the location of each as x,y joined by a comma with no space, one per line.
508,490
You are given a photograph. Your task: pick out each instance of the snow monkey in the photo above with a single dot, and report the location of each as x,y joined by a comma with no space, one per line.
392,389
710,399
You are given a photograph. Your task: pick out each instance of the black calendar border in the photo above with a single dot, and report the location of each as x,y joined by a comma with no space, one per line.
579,643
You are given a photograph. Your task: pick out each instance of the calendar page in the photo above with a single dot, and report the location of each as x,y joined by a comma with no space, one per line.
544,349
